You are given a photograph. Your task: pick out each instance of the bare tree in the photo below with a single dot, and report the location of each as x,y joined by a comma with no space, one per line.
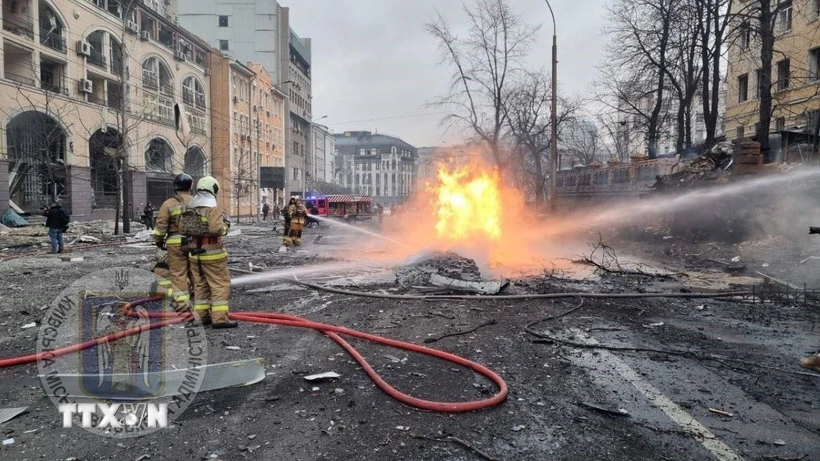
486,62
716,17
615,137
583,140
242,177
638,60
527,112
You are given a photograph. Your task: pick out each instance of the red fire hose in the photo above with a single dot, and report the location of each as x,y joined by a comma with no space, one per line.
332,331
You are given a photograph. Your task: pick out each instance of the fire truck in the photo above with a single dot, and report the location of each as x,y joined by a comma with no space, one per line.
346,207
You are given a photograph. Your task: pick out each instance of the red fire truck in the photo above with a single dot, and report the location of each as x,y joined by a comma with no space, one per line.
347,207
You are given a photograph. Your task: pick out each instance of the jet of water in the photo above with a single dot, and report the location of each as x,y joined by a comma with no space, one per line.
701,197
335,222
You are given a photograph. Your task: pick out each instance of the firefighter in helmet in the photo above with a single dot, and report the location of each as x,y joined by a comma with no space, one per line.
298,218
204,223
168,236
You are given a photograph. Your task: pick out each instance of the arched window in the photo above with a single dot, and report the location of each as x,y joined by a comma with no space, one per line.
52,29
156,76
104,179
195,162
193,93
159,156
36,145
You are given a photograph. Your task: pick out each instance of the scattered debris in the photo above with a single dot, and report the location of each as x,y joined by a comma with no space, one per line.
217,376
519,428
7,414
721,413
144,235
779,442
709,166
438,338
458,441
233,348
418,270
12,219
323,376
654,325
28,325
70,259
620,412
8,442
487,288
403,428
143,458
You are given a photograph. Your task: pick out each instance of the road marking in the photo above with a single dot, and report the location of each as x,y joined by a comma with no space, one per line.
720,450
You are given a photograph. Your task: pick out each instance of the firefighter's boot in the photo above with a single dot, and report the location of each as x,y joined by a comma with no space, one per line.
203,314
220,320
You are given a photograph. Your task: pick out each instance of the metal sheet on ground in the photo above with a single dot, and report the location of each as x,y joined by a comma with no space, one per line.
217,376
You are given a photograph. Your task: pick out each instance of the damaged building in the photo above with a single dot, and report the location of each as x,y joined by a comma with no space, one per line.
87,97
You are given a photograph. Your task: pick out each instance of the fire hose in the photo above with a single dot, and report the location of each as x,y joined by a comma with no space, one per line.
334,332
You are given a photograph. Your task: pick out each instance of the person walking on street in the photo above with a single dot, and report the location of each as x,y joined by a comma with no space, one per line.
57,222
168,236
265,210
204,223
148,216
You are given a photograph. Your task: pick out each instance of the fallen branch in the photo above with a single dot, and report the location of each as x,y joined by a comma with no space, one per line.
458,441
438,338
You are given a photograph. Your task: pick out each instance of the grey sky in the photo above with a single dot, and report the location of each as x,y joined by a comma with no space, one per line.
373,60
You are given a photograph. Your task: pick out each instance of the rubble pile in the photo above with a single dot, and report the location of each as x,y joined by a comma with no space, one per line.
419,269
710,166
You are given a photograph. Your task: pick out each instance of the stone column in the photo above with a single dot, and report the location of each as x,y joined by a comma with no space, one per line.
78,187
139,192
4,185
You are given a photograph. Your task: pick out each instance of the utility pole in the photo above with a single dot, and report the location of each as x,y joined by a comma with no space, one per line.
251,153
554,118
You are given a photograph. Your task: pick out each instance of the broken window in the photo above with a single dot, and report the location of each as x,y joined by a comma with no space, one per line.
739,134
814,65
780,124
784,17
783,74
159,156
745,35
223,21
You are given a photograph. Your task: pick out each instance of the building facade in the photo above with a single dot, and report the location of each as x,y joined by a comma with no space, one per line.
795,80
632,127
384,167
323,147
254,31
234,159
269,128
88,90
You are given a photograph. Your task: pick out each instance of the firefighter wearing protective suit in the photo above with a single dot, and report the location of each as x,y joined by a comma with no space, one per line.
168,236
298,218
204,223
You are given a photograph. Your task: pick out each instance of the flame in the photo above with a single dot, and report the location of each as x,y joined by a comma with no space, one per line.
467,203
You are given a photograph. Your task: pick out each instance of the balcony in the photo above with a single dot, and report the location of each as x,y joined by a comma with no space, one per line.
150,80
97,59
18,24
188,98
166,89
21,79
53,40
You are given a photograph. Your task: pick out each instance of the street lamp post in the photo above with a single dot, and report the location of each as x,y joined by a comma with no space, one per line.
554,118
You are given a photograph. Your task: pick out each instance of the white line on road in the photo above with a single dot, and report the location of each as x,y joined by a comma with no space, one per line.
720,450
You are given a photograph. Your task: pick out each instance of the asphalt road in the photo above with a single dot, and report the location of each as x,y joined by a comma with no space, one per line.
735,358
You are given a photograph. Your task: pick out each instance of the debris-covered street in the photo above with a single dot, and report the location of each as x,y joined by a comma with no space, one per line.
602,379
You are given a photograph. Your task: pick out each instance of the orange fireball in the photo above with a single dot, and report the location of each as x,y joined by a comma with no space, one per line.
468,205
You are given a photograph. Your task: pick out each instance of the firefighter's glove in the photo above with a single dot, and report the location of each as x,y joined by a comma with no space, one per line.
160,244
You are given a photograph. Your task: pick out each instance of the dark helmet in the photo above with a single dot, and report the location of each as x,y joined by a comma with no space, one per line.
183,182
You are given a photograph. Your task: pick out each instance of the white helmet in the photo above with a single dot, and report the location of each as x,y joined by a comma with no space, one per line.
208,184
